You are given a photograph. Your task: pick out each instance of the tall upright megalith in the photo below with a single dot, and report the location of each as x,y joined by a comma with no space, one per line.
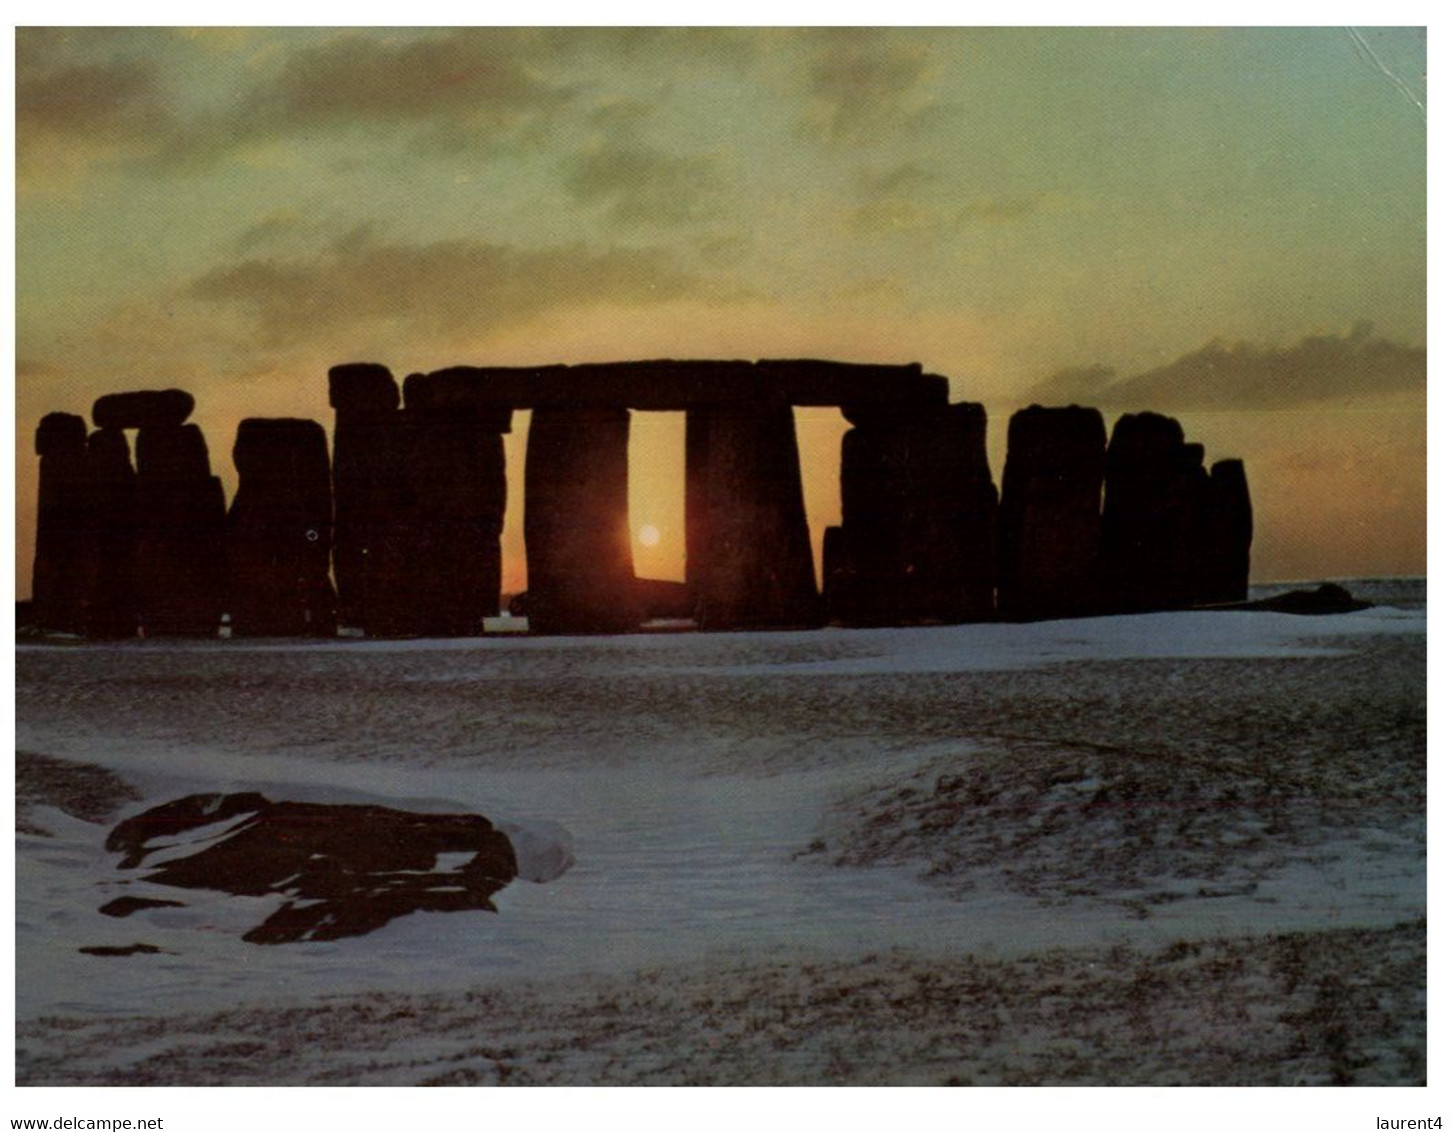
918,504
113,487
1225,556
1049,517
65,542
746,520
1152,494
280,531
181,531
577,522
457,467
375,547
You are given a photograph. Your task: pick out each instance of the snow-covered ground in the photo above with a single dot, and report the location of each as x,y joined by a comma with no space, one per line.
744,834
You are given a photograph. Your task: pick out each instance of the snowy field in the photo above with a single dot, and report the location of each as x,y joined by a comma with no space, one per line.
1170,848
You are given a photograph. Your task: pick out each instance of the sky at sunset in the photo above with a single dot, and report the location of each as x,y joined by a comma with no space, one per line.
1224,225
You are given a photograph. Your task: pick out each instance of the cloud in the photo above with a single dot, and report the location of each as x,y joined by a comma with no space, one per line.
449,289
862,87
906,178
452,88
35,369
444,90
467,73
1243,376
999,210
71,116
641,184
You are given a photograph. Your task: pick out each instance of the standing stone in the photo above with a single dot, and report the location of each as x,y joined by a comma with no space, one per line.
113,486
1190,495
182,516
918,505
577,536
376,548
457,467
1225,560
1049,519
279,531
65,540
1151,492
749,550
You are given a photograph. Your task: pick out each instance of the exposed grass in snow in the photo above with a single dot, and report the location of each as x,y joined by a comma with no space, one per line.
1321,1008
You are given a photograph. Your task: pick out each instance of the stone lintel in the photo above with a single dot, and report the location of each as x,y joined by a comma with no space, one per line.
672,385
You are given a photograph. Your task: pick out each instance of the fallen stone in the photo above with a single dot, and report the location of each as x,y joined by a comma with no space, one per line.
124,906
345,870
121,952
1325,600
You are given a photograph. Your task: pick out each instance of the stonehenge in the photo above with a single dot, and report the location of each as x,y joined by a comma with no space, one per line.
180,533
142,409
1152,488
114,609
456,464
406,518
279,531
1049,517
576,534
65,540
372,500
754,564
918,506
1224,553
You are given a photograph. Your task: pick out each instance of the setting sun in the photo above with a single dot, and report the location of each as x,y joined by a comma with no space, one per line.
649,535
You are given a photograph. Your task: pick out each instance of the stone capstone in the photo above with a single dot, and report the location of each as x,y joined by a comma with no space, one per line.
143,409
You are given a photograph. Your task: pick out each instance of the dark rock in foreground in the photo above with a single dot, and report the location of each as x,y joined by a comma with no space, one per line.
346,869
1326,598
107,952
124,906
